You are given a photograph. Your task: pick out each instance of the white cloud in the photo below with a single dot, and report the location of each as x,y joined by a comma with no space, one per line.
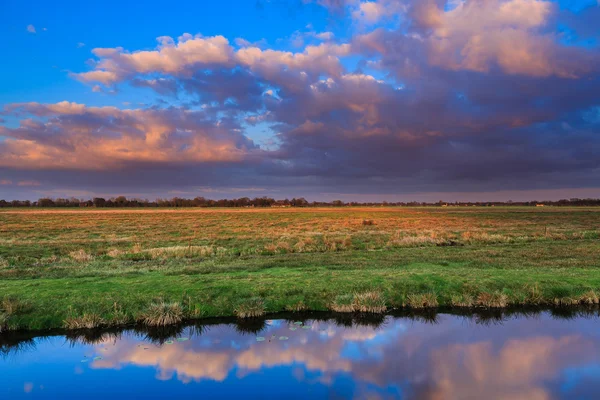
31,28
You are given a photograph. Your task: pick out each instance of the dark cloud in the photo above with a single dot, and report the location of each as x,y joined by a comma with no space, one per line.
489,95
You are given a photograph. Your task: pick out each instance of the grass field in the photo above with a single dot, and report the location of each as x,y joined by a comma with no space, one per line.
94,267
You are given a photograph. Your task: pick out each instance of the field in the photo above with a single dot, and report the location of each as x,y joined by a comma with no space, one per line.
94,267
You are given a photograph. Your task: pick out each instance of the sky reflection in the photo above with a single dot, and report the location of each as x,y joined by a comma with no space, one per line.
454,358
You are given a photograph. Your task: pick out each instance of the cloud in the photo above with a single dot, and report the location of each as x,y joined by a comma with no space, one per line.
80,45
75,136
31,29
477,95
5,182
509,34
28,183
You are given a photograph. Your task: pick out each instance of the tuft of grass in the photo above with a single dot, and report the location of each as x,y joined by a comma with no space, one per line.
86,321
368,222
115,253
297,307
343,303
12,305
492,300
81,256
163,314
461,300
181,252
369,302
589,298
424,300
565,301
251,308
3,321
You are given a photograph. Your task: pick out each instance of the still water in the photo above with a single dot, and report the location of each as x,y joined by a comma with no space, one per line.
540,356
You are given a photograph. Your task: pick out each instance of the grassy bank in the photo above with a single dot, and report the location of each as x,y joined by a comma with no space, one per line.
87,268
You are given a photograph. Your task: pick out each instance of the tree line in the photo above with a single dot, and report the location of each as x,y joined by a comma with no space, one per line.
122,201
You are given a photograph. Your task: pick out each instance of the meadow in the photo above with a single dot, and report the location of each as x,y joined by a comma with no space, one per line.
85,268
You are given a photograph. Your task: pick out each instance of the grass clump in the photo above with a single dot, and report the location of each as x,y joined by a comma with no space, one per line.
565,301
12,305
589,298
81,256
343,303
366,302
182,252
492,300
296,307
251,308
461,300
3,321
424,300
369,302
86,321
163,314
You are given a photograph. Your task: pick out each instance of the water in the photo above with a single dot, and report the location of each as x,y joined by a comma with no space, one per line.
435,357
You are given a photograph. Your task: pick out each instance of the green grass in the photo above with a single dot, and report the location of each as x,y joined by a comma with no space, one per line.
114,266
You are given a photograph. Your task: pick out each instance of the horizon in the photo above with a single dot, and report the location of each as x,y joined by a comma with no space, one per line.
367,101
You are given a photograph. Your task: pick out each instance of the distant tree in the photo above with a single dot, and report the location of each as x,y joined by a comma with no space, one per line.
99,202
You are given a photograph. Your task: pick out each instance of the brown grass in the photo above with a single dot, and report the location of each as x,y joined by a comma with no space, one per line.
365,302
12,305
86,321
3,321
163,314
251,308
589,298
297,307
566,301
419,301
81,256
369,302
343,303
462,300
492,300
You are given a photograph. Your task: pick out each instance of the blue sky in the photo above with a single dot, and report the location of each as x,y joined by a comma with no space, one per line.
377,100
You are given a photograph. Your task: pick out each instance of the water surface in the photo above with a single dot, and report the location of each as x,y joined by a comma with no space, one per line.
441,357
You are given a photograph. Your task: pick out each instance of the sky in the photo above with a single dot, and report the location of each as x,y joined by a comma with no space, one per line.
395,100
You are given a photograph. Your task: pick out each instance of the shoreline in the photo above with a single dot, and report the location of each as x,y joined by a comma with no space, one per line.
255,325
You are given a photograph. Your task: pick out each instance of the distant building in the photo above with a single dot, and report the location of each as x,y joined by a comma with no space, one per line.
539,205
280,204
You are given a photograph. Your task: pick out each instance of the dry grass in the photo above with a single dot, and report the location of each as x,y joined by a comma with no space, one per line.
81,256
566,301
589,298
251,308
115,253
12,305
181,252
413,241
343,303
3,263
297,307
492,300
462,300
419,301
365,302
3,321
369,302
87,321
163,314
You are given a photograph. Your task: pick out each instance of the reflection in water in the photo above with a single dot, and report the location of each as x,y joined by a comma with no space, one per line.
430,357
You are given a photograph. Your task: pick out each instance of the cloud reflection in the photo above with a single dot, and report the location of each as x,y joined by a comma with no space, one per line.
450,360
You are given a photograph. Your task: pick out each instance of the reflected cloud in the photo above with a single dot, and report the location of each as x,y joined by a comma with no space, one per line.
448,360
